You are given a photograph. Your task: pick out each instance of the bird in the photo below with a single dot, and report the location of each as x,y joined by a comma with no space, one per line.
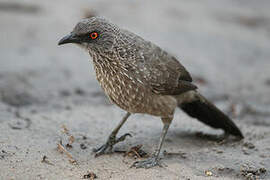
140,77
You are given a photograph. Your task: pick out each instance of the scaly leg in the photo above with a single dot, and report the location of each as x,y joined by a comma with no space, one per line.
112,140
155,160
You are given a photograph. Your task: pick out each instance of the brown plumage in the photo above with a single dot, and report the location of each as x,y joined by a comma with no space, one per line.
140,77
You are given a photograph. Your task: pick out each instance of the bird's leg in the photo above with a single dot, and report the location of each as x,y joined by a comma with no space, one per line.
154,160
112,140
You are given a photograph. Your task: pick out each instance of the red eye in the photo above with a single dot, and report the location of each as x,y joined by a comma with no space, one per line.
94,35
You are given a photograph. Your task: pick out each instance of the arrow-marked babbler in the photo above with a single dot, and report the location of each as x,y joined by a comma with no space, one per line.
140,77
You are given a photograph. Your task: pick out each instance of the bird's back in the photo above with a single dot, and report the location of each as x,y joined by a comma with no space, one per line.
159,70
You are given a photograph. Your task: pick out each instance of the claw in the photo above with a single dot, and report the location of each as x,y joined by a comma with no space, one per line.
122,138
107,147
101,150
98,149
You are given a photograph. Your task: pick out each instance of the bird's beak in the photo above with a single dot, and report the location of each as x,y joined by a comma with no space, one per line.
70,38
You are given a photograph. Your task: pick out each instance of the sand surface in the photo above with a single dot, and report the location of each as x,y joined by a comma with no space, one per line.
43,88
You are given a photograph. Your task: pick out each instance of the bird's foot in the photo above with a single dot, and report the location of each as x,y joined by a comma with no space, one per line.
148,163
107,147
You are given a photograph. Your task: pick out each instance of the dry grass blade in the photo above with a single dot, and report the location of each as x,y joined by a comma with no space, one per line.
62,149
45,160
71,138
136,152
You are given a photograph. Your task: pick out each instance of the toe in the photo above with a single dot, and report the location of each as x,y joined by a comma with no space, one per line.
101,150
122,138
149,163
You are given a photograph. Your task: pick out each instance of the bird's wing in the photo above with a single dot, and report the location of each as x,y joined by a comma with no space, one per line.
160,71
165,74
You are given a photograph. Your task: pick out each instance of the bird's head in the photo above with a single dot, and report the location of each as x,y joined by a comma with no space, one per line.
95,34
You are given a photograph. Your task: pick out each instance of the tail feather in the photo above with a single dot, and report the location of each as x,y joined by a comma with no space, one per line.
200,108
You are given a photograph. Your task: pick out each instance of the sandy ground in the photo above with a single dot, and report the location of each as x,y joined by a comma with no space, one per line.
43,87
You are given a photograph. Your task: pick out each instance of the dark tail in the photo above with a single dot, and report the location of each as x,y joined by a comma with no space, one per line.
200,108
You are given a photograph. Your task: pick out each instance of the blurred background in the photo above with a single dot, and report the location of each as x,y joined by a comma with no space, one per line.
225,45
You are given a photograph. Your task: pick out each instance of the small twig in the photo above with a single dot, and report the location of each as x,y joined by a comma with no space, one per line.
182,154
62,149
136,151
71,138
44,160
65,130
